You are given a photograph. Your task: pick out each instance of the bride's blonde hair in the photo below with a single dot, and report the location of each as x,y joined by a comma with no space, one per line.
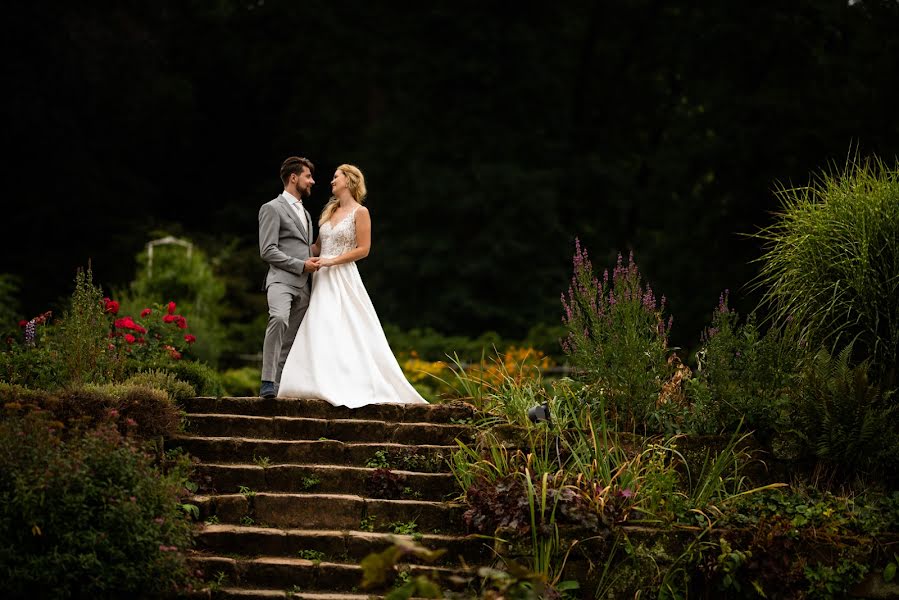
355,183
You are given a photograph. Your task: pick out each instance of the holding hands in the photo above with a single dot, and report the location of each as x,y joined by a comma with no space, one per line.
311,265
316,262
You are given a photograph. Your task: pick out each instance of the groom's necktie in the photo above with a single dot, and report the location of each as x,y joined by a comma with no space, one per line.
298,206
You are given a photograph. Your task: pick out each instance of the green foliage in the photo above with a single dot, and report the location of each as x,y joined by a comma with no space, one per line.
138,410
309,482
831,582
82,517
844,420
92,343
831,264
432,345
404,527
205,380
618,338
407,459
241,382
187,275
742,375
162,380
32,367
379,570
313,555
82,339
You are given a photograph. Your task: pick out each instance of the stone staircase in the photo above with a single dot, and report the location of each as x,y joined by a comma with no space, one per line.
294,495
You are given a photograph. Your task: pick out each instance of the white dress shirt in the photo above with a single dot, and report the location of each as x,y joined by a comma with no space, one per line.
297,206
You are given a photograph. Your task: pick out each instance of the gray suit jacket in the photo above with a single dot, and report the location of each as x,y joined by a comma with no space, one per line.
284,243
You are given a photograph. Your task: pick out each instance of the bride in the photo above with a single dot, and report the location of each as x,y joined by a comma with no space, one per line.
340,353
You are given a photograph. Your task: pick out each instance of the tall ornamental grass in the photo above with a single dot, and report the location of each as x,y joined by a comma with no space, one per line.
831,262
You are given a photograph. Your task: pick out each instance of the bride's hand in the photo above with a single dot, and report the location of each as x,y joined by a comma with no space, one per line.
325,262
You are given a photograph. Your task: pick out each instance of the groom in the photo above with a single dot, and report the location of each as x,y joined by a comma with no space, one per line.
285,243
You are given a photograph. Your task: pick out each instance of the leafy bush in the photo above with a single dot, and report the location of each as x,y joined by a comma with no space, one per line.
742,375
92,343
162,380
241,382
140,411
186,274
431,345
205,380
846,422
89,517
832,262
617,337
82,338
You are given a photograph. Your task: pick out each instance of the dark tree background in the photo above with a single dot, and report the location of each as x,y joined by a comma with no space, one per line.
491,135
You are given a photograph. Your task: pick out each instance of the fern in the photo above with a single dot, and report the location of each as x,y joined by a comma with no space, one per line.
843,418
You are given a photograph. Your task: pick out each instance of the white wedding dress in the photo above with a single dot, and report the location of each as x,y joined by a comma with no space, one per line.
340,353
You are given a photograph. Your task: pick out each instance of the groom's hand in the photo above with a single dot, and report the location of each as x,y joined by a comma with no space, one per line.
311,265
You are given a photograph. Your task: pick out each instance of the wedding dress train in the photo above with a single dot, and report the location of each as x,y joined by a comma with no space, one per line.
340,353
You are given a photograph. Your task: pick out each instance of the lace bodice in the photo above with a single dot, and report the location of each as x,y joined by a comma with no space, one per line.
341,238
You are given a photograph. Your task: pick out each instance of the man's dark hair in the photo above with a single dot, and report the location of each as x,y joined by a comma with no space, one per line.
294,164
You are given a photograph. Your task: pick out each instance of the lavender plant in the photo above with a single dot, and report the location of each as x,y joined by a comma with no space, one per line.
617,339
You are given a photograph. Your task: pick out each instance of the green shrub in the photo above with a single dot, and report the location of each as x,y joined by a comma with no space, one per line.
742,374
88,517
831,263
32,367
205,380
140,411
431,345
185,274
162,380
845,421
82,338
242,382
617,338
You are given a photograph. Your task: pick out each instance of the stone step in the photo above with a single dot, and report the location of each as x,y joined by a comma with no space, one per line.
422,458
459,412
329,511
333,545
345,430
273,572
322,479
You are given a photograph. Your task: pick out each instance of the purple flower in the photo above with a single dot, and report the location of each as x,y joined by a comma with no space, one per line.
30,333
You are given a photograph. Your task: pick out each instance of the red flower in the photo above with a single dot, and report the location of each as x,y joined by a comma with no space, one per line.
145,312
181,322
112,306
171,308
190,339
141,341
168,318
23,323
139,329
130,338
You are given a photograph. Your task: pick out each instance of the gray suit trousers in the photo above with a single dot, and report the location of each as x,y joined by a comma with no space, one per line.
287,305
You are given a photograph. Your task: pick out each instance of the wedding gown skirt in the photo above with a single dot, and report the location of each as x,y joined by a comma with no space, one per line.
341,354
